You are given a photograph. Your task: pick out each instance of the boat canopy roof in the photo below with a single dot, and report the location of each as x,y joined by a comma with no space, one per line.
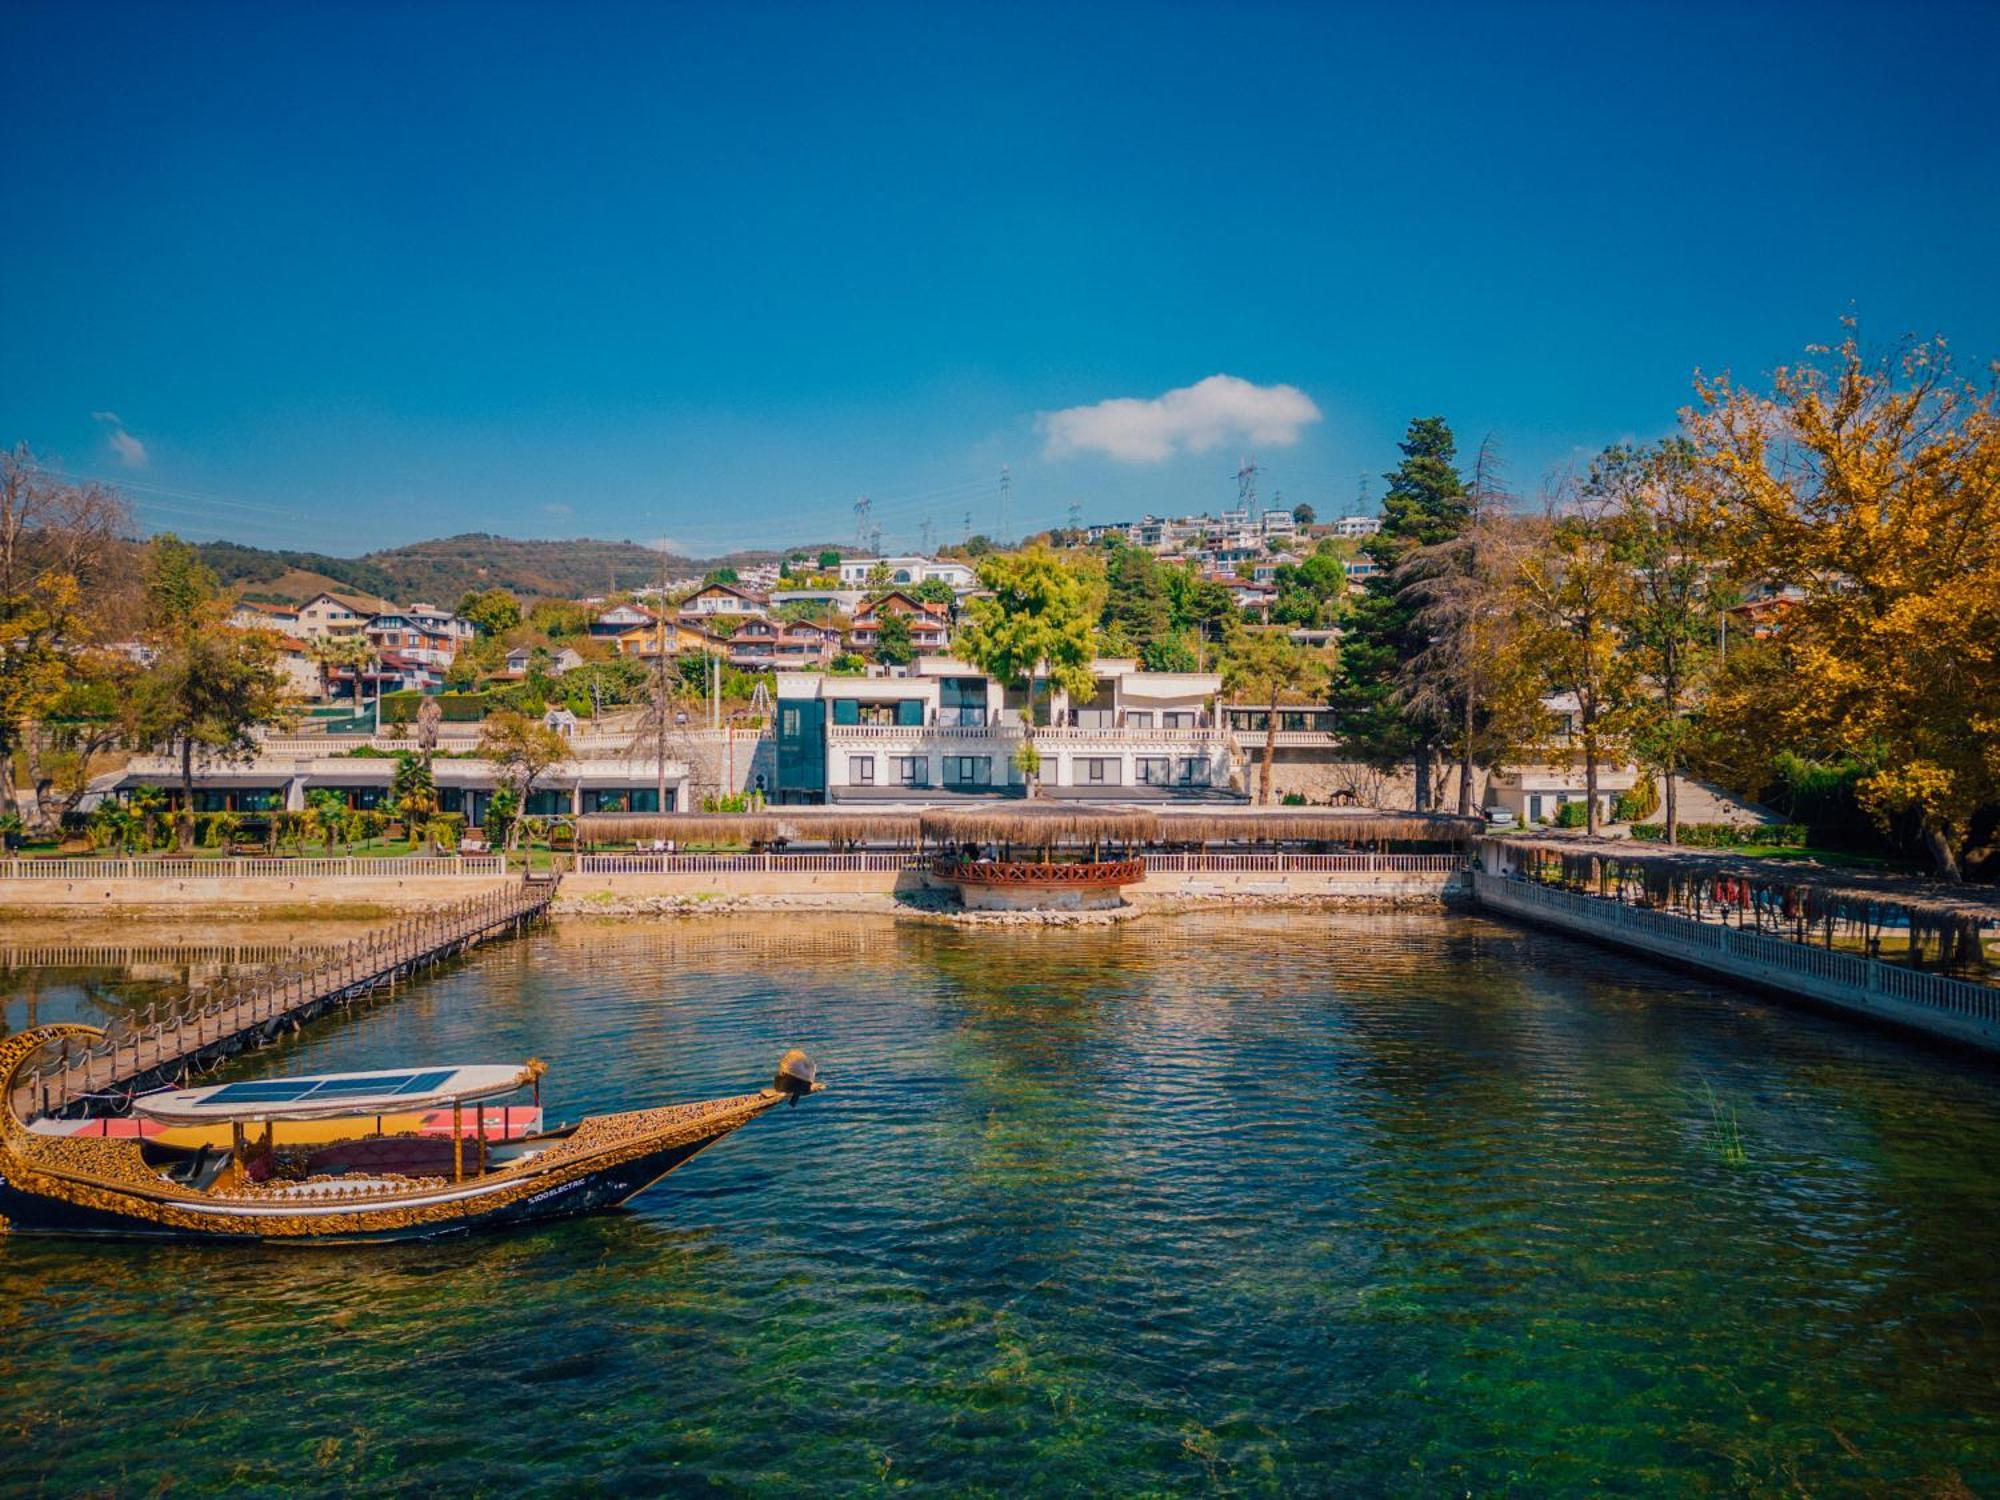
326,1095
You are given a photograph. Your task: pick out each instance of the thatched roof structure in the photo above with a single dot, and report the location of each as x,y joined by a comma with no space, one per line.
1313,825
812,825
1035,824
1040,824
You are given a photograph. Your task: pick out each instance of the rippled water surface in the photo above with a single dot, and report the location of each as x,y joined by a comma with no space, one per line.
1356,1205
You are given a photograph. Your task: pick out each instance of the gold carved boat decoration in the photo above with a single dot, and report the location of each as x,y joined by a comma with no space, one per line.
332,1157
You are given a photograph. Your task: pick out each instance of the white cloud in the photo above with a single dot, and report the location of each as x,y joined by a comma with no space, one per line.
131,452
1192,419
558,509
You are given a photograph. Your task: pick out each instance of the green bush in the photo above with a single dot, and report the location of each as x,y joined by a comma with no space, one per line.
1638,804
1729,835
1572,815
1294,799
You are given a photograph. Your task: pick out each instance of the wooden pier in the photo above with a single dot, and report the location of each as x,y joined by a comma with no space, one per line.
247,1011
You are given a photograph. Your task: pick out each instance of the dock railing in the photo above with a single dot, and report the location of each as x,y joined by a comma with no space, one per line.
242,1010
1820,972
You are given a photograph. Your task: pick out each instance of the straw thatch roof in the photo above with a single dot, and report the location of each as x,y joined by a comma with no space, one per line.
789,824
1313,825
1037,824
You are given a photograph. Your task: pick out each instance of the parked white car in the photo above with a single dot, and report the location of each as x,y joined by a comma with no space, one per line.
1499,817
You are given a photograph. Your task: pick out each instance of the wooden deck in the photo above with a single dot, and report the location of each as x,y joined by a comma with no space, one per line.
245,1012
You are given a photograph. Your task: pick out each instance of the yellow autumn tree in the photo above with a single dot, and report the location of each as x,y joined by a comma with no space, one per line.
1869,488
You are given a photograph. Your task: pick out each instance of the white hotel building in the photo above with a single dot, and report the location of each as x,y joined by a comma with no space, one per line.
947,730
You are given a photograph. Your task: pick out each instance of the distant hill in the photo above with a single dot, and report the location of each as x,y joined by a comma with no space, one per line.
441,571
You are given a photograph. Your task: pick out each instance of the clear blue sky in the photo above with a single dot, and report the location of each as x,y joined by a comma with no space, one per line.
349,275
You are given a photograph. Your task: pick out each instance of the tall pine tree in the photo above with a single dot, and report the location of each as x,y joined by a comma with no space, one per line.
1427,504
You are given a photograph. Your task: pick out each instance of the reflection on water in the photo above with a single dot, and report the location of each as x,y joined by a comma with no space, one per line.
1268,1203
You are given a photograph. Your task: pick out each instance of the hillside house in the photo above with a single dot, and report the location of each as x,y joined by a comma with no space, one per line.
929,629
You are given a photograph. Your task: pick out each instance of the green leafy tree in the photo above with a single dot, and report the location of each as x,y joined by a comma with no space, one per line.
1264,667
1038,620
829,561
935,591
1576,595
1669,534
522,750
493,612
1172,652
1427,504
1304,515
893,643
559,619
209,686
719,575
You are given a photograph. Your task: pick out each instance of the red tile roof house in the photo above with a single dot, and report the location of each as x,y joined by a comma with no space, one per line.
929,630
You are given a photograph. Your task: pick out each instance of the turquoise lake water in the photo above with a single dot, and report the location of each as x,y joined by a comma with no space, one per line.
1289,1204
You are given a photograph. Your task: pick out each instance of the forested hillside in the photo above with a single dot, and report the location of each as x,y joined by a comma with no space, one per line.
440,571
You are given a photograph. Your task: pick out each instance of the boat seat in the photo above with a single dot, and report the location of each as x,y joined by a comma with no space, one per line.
201,1171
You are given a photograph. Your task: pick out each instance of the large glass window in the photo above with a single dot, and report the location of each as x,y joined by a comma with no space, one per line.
1180,718
962,701
1155,770
1194,771
911,770
846,711
1097,770
968,770
910,711
861,770
1138,718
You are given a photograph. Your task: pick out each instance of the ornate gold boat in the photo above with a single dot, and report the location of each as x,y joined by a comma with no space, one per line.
374,1184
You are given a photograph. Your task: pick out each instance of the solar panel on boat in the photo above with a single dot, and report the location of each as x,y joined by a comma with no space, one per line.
259,1093
293,1090
424,1083
336,1088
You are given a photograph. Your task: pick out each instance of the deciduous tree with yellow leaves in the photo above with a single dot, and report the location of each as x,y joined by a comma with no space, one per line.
1872,487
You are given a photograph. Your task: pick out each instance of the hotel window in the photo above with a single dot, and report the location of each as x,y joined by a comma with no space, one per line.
846,711
1176,718
1194,771
861,770
1138,718
911,770
1097,770
1155,770
968,770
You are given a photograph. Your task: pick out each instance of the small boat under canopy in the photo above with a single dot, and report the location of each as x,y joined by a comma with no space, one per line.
343,1156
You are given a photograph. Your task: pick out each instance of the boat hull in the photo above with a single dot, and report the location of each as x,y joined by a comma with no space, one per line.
26,1212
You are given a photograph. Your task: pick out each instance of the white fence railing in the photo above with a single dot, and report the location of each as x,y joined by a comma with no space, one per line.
1738,951
254,868
1277,863
883,861
912,732
866,861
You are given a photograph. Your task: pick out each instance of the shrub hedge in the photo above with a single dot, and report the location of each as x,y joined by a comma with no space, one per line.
1729,835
